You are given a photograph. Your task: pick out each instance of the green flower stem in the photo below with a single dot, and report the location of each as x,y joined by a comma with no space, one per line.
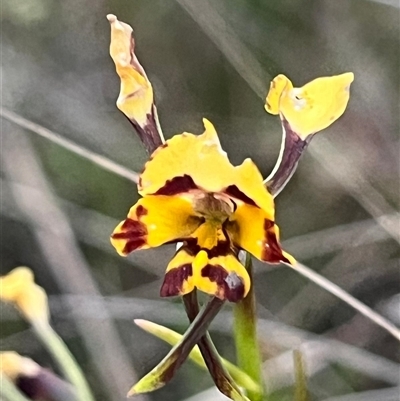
9,391
166,369
218,372
67,363
245,335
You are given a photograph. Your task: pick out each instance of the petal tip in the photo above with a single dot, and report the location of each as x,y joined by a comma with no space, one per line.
112,18
210,132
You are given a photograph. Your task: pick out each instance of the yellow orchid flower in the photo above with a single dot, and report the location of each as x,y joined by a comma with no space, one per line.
13,365
18,287
194,195
313,107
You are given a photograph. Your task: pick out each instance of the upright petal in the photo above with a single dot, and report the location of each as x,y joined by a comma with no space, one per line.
314,106
136,95
251,229
153,221
136,98
190,162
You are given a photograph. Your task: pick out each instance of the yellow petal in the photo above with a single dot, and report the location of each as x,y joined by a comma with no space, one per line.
191,156
251,229
18,287
221,276
14,365
178,278
188,162
208,236
278,85
14,283
136,94
153,221
314,106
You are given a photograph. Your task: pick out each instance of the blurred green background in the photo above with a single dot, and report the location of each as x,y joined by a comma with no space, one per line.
214,59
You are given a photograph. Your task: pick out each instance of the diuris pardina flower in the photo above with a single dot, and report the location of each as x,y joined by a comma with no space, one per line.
192,194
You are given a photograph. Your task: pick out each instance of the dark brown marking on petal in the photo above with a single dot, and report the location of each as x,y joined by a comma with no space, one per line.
222,248
134,226
267,104
235,192
133,245
272,252
177,185
134,232
148,133
173,280
230,286
268,224
191,246
141,211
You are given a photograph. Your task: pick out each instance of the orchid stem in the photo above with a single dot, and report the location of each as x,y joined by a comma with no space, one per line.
67,363
220,375
245,334
166,369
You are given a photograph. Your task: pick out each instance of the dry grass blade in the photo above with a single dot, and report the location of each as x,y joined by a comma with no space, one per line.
226,40
95,158
340,237
340,167
393,3
349,299
387,394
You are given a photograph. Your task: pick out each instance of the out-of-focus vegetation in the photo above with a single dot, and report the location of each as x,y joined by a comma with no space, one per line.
338,215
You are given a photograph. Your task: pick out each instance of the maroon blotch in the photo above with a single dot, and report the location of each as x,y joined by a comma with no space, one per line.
173,280
177,185
234,191
141,211
230,286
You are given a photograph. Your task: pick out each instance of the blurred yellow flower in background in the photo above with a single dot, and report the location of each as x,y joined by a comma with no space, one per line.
13,365
19,288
